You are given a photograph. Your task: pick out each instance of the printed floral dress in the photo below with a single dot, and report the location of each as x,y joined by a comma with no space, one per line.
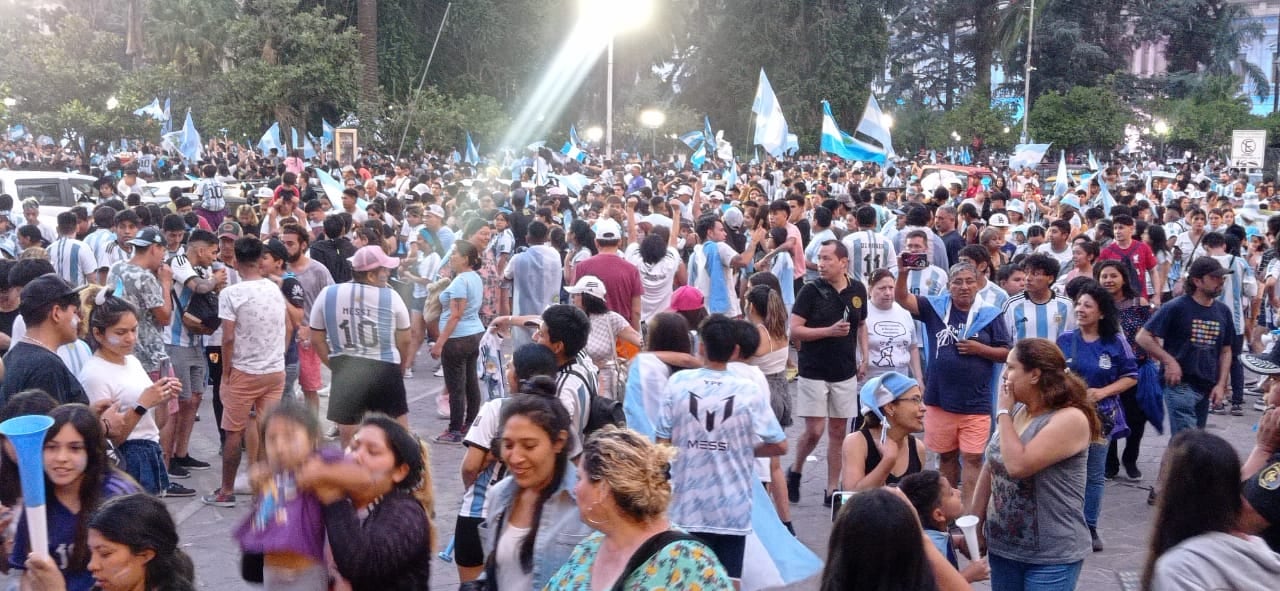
685,566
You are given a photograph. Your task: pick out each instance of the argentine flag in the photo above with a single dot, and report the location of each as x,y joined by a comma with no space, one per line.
771,126
1062,184
843,145
473,155
271,139
1027,155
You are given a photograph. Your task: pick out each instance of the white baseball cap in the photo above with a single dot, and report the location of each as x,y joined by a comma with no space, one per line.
588,284
998,220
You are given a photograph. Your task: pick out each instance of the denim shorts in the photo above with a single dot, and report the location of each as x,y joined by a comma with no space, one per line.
1187,408
144,461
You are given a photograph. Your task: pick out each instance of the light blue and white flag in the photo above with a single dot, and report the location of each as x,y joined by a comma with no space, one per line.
153,110
771,126
693,139
708,135
793,143
1062,184
473,155
573,136
732,175
699,156
191,147
1093,162
167,122
326,134
839,143
17,132
332,188
1104,195
872,126
1027,156
573,151
271,139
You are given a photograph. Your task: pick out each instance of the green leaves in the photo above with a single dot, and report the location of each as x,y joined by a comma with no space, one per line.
1082,118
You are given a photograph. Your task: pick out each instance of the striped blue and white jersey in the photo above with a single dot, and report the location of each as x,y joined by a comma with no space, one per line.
360,320
176,333
930,281
992,295
869,252
1237,288
481,435
72,260
1027,319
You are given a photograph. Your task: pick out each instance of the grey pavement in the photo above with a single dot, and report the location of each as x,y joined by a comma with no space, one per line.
205,531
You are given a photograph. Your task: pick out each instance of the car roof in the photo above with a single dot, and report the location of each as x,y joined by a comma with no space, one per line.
958,168
43,174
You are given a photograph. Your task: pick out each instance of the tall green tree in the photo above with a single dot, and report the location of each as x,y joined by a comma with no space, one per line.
1082,117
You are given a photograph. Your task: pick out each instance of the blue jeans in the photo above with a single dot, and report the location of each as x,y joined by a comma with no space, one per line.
1095,480
1187,408
144,461
1012,575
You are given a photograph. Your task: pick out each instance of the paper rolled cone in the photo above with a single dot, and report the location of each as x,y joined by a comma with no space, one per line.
969,525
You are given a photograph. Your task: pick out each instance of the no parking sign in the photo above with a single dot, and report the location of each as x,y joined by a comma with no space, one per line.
1248,146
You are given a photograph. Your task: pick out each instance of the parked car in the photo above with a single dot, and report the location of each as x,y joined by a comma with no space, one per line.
56,191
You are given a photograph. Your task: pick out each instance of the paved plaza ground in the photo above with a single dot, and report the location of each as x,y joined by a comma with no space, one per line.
205,530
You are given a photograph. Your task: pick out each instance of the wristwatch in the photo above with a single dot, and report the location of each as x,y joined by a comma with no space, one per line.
140,410
1003,411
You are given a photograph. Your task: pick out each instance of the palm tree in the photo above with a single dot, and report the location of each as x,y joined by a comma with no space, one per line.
367,25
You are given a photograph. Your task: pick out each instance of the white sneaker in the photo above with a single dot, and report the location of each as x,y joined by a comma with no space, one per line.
439,373
242,486
408,374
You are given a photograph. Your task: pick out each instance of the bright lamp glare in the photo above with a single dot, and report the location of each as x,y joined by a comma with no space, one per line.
616,15
1160,127
886,120
652,118
594,134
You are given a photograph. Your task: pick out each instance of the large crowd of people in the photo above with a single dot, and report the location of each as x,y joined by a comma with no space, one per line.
980,341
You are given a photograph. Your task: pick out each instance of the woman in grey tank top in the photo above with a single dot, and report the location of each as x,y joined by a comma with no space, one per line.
1031,492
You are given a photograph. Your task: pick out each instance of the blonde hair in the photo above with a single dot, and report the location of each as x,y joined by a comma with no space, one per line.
636,470
425,491
35,252
247,209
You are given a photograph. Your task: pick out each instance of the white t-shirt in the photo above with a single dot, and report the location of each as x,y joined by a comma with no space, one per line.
655,280
122,385
1064,258
258,309
486,427
891,336
700,277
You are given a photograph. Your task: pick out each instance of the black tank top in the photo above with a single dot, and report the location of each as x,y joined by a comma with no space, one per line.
873,458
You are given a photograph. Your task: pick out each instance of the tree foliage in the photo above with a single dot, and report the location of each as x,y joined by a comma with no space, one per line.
1083,117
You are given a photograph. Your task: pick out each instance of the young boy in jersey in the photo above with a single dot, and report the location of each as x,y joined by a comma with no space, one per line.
721,422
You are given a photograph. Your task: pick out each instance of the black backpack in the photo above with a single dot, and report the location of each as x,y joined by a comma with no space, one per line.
204,308
600,411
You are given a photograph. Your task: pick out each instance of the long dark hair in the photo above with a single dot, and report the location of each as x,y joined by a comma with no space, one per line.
27,402
1157,239
142,523
1109,323
875,545
1202,472
103,316
1058,388
96,469
668,331
543,409
1129,291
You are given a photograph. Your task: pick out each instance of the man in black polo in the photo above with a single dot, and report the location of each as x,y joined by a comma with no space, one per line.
827,318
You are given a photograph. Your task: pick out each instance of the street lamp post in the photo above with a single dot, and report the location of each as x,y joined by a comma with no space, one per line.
617,16
1161,129
1026,83
653,119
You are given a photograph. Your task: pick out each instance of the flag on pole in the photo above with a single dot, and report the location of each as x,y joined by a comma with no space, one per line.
153,110
841,144
573,136
573,151
473,155
733,174
873,126
771,126
1063,183
692,139
191,147
332,188
1027,156
167,121
699,157
326,133
1093,162
271,139
1104,195
708,136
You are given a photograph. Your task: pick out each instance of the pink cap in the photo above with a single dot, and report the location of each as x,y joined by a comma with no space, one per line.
371,257
686,298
